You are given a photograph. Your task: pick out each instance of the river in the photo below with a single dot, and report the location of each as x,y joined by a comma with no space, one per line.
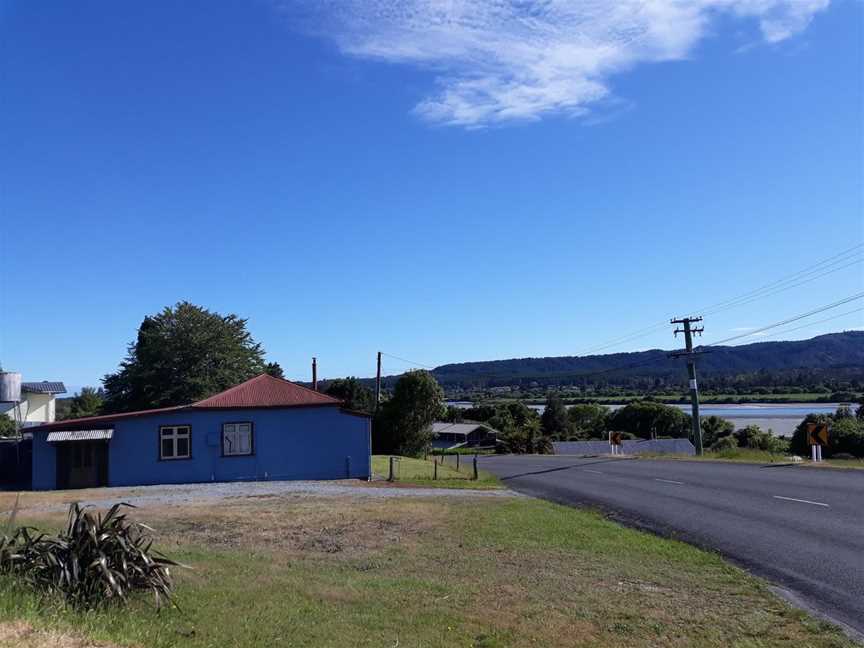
779,418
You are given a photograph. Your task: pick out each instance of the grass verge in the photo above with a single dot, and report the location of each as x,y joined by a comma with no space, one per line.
420,472
430,573
746,455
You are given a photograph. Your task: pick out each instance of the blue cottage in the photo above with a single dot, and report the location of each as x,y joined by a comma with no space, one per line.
264,428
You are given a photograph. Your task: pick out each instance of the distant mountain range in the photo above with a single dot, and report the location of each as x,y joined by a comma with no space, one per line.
835,356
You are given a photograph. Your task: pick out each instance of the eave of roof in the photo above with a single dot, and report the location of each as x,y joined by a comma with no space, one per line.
105,418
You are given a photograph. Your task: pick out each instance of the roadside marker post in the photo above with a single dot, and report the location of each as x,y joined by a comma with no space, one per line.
817,436
476,476
615,442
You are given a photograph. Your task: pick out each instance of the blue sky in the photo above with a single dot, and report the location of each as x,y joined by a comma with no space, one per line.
487,181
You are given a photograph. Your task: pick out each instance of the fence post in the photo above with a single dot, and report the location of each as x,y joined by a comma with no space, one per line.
475,468
392,476
457,461
435,463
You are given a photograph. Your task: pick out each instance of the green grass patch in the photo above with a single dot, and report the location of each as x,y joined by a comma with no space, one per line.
748,455
421,472
493,574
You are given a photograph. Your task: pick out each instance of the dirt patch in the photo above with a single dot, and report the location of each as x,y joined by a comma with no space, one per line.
17,634
331,527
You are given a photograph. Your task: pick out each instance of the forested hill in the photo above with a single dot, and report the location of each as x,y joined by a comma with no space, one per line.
835,356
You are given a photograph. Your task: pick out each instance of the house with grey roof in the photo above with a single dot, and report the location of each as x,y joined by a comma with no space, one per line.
449,436
38,403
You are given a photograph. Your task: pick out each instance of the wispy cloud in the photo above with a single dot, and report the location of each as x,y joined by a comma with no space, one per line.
504,60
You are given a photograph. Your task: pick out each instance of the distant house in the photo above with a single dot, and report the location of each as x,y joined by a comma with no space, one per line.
448,436
38,402
264,428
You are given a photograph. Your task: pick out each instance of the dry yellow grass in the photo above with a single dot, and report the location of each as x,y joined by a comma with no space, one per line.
23,635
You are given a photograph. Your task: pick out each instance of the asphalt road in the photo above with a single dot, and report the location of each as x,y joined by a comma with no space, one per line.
802,528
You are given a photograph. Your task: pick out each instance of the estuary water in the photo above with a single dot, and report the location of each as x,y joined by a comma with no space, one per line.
780,418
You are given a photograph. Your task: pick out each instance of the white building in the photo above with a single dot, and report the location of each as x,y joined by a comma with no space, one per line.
38,402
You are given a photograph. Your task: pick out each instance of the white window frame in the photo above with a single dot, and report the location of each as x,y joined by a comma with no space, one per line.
232,439
174,433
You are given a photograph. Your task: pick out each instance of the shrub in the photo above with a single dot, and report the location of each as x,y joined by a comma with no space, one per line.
527,439
755,438
715,427
846,435
96,560
724,443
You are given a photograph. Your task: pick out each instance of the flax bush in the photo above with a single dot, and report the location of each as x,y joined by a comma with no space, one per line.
97,560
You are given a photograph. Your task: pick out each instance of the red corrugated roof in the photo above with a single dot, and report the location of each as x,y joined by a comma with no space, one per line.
267,391
261,391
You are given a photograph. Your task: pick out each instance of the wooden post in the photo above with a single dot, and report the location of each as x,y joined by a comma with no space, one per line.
476,476
392,476
435,463
457,462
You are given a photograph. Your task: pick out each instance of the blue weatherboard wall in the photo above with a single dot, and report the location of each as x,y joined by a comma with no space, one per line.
290,443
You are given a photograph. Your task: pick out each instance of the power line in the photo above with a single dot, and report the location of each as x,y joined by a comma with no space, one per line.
820,269
775,291
822,321
818,266
821,309
405,360
652,360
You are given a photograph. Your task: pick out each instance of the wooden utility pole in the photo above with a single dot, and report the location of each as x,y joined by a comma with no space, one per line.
315,373
378,383
688,332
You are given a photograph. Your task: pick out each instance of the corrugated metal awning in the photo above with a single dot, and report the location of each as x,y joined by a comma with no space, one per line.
80,435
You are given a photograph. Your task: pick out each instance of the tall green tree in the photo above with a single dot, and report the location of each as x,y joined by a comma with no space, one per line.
352,392
588,421
274,369
88,402
404,425
553,421
183,354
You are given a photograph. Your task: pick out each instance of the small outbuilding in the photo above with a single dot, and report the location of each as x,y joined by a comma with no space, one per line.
449,436
264,428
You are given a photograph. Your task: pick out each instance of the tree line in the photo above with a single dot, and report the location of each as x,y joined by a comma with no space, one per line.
186,353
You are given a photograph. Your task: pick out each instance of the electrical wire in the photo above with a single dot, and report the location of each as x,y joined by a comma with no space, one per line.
405,360
822,321
834,263
789,320
816,267
771,293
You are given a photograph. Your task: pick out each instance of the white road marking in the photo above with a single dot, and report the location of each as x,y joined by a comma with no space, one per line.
793,499
596,472
668,481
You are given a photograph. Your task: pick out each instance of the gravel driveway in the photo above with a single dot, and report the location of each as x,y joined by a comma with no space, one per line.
182,494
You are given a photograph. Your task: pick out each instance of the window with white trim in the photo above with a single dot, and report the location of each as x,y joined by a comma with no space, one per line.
236,439
175,442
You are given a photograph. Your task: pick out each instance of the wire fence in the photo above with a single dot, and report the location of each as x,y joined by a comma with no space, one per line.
436,467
